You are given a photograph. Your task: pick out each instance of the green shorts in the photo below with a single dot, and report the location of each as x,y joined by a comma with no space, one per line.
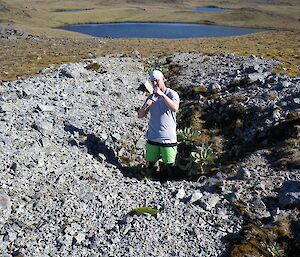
166,153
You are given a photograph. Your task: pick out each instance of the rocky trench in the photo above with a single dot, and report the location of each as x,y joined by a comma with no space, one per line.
68,134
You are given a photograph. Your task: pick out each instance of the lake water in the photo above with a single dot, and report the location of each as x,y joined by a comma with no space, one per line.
210,9
158,30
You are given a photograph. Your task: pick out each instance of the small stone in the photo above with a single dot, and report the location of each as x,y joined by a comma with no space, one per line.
12,236
14,166
196,195
43,126
45,108
45,142
259,204
80,237
103,136
70,230
136,54
180,194
68,240
5,208
116,137
232,196
215,87
6,107
140,144
289,195
243,174
254,77
297,100
285,84
207,202
101,157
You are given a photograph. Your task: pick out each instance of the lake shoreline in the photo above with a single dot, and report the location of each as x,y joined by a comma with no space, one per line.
38,20
158,30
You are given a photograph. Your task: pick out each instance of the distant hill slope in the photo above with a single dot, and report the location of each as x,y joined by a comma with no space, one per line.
9,11
155,1
4,7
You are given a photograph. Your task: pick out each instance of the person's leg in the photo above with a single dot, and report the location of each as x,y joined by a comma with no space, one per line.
169,156
152,156
152,153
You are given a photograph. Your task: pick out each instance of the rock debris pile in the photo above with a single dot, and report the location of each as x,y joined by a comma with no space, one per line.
63,190
13,34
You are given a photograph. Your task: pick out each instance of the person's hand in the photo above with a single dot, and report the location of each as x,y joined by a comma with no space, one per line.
157,91
148,104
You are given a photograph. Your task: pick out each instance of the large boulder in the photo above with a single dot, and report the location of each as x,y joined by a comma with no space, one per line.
289,194
73,70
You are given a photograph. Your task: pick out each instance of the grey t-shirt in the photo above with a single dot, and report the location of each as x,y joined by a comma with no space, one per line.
162,123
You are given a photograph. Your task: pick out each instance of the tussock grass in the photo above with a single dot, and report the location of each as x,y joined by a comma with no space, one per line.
277,14
21,57
39,18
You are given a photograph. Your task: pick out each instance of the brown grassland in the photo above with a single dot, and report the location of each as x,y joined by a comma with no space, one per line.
55,46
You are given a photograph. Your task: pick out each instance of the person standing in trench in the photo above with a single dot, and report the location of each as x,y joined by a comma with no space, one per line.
161,134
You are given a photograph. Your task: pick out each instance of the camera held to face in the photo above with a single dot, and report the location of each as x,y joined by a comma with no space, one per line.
153,97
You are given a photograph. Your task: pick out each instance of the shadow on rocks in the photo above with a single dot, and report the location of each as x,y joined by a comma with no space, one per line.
93,145
163,174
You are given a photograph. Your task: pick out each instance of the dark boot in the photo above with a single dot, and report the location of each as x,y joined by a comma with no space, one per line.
171,171
168,171
154,169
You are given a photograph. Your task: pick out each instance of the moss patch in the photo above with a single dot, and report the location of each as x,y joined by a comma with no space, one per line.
142,210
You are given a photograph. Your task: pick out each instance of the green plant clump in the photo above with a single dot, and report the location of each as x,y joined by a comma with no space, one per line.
202,157
187,135
142,210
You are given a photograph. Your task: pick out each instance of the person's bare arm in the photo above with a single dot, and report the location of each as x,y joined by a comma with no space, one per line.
173,105
145,109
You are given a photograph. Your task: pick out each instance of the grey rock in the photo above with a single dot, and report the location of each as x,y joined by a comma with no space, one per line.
232,196
215,87
209,201
285,84
195,196
289,194
59,183
140,144
101,157
6,107
256,77
45,142
180,194
260,208
103,136
116,136
5,208
12,236
43,126
80,237
46,108
297,100
243,174
74,70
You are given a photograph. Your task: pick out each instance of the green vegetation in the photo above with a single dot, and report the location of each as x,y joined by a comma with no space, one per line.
142,210
48,14
187,135
199,161
272,241
23,57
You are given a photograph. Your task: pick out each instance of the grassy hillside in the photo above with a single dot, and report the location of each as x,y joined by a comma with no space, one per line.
42,17
276,14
